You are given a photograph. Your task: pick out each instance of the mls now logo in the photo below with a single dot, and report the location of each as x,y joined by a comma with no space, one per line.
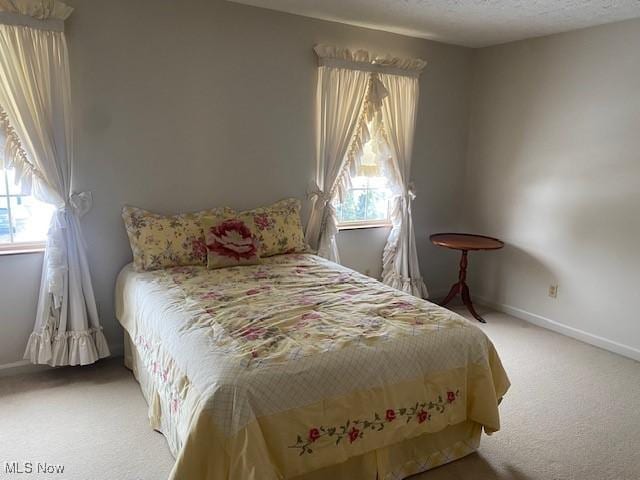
17,468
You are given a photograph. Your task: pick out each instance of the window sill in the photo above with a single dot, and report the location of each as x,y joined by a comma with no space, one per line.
359,226
22,249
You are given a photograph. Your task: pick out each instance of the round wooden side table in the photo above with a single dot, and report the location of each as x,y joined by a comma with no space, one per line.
464,242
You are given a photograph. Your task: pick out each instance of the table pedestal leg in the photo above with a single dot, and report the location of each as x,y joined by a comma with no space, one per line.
462,288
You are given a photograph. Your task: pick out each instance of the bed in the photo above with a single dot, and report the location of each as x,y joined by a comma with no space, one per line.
299,368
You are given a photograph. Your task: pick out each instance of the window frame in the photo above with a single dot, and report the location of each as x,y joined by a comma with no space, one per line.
13,247
18,248
363,224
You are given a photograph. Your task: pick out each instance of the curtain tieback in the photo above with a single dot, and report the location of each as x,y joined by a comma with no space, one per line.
81,203
78,204
319,195
410,194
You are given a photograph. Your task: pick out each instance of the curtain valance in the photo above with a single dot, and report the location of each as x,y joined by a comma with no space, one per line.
38,9
41,14
368,62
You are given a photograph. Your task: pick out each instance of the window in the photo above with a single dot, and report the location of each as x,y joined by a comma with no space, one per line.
368,202
24,221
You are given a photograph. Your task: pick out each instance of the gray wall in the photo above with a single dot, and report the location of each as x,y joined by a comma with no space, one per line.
554,170
192,104
20,281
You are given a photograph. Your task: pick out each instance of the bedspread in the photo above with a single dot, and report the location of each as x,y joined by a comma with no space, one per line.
274,370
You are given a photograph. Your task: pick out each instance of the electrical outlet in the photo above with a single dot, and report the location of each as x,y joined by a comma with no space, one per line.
553,291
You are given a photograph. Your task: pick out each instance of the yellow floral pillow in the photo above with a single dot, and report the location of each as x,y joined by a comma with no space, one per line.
278,228
162,241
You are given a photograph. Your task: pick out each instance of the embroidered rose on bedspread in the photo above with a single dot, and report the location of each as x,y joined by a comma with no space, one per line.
355,429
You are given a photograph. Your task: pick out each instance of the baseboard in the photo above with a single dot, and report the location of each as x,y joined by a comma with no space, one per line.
539,320
25,366
436,296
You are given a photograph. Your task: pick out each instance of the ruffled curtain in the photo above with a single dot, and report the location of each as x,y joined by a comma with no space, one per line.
400,267
340,100
358,91
35,116
375,160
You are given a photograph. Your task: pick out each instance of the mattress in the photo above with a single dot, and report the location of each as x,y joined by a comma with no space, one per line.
299,368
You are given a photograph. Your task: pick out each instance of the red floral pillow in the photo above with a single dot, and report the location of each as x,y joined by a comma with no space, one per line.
231,242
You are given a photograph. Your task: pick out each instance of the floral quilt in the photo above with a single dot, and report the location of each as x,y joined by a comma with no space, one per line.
293,306
298,363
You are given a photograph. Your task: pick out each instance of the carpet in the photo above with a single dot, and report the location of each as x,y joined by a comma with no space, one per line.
573,413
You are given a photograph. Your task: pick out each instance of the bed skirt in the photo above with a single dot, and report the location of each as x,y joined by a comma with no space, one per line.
394,462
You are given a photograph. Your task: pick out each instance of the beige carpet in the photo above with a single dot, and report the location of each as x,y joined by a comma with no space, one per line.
573,413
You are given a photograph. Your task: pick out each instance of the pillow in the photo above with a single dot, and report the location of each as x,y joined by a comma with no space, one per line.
162,241
230,241
278,228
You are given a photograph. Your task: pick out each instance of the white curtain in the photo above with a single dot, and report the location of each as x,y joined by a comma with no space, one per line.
35,115
400,267
355,88
340,99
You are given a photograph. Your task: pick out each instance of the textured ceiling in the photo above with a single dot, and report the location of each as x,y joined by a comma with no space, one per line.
473,23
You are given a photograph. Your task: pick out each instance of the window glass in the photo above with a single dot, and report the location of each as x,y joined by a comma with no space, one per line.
10,185
23,219
5,223
368,200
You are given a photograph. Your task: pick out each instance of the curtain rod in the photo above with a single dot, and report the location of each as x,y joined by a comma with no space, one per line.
365,67
17,19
